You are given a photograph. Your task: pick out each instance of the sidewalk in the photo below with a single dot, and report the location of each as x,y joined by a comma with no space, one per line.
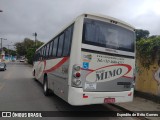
142,104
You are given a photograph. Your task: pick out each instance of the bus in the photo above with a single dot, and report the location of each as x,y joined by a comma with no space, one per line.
90,61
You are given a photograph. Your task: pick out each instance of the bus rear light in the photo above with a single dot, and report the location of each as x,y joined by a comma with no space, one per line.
130,94
77,82
76,71
77,67
77,75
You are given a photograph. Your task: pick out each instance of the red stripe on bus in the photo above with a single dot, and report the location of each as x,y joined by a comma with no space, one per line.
87,69
128,66
56,66
44,65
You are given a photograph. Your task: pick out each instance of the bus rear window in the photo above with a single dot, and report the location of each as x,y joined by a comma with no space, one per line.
108,35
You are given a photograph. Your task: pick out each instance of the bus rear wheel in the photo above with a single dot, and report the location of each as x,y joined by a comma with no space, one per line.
45,86
34,77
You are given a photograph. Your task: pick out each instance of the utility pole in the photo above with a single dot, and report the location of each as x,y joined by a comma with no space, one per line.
1,43
1,55
8,52
35,34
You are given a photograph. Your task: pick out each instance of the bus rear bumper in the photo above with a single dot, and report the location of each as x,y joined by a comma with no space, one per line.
77,97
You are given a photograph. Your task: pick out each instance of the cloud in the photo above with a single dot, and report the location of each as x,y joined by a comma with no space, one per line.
21,18
148,21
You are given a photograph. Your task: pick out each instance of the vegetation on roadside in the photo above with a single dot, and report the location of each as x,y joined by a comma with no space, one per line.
148,48
9,51
27,48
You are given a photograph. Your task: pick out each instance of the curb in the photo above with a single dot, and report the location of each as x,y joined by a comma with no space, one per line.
147,96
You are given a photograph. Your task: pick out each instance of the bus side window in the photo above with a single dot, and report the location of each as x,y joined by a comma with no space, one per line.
67,41
50,49
60,45
55,47
47,51
44,52
39,55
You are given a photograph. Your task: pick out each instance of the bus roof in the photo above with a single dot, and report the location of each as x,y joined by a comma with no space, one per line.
92,15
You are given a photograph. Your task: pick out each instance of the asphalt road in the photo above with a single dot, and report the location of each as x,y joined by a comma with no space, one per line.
19,92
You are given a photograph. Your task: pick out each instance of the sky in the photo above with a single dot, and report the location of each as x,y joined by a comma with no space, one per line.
21,18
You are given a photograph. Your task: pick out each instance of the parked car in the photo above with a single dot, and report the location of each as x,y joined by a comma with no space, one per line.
2,66
21,60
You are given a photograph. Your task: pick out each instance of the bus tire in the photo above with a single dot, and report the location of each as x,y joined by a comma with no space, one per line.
34,73
34,77
45,86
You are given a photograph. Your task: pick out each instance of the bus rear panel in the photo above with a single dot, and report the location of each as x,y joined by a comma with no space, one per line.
105,74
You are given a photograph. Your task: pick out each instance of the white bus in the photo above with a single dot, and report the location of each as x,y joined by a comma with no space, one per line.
91,61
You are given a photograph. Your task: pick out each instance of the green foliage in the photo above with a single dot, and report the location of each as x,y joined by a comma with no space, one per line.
9,51
20,47
12,52
141,34
30,54
148,50
27,48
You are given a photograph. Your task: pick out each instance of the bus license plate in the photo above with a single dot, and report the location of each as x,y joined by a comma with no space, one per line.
109,100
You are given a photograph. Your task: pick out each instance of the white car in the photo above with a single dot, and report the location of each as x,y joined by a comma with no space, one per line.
21,60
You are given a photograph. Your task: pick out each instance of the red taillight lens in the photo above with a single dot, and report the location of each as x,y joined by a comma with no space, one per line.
130,94
77,74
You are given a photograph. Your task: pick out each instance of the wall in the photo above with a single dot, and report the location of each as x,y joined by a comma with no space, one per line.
148,81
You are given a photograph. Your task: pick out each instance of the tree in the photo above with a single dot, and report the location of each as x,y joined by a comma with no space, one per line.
12,52
141,34
20,47
38,44
148,50
27,48
154,36
30,55
9,51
